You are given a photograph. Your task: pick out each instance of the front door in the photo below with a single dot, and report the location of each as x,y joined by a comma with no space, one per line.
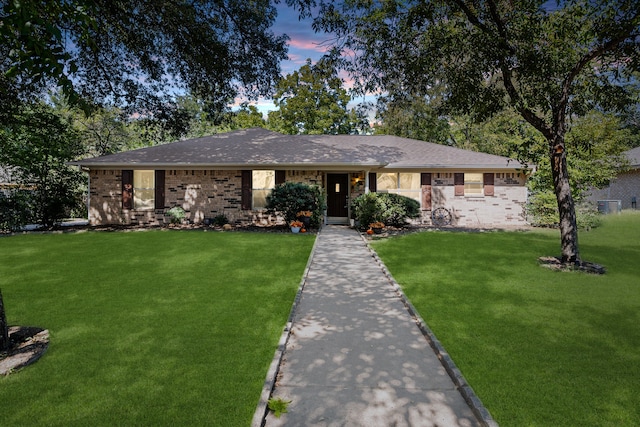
337,195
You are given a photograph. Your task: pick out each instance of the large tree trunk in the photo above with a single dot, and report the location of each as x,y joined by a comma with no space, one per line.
4,328
566,207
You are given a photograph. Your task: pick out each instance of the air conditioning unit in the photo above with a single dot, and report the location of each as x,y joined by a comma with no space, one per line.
609,206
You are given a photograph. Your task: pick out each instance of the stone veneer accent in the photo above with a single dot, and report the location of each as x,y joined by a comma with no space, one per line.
504,208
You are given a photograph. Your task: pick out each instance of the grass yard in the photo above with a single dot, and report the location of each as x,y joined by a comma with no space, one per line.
539,347
147,328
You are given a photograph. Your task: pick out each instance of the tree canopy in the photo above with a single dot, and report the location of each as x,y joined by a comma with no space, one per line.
136,54
547,60
313,100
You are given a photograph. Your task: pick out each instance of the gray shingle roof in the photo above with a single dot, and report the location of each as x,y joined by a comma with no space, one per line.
634,156
260,148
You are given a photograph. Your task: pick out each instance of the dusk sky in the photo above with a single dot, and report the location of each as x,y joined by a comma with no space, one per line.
304,43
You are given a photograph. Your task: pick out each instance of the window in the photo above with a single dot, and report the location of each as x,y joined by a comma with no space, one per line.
406,184
263,182
143,189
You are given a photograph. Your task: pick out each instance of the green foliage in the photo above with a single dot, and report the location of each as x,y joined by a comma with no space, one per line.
247,117
37,144
365,208
176,215
290,198
16,209
278,406
547,63
597,142
389,208
137,53
220,220
588,217
412,117
313,101
542,211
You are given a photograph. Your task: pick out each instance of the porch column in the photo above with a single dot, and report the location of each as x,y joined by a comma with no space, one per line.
366,182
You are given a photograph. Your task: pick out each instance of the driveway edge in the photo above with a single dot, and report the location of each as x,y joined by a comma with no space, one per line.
260,414
479,410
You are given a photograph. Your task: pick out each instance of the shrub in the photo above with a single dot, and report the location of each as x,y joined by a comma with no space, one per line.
542,210
16,209
396,208
588,218
176,214
292,197
389,208
220,220
365,208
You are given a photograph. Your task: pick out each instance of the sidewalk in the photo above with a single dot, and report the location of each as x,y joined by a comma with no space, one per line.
355,356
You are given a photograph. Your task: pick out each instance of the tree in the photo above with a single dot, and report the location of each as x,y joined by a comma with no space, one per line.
411,117
137,53
248,117
596,143
103,132
36,145
4,327
311,101
548,61
504,134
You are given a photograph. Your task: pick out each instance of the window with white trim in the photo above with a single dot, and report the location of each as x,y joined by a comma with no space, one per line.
263,182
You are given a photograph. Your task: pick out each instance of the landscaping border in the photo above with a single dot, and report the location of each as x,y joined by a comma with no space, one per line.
259,416
474,402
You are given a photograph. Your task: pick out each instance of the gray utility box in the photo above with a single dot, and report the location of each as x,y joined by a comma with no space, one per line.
609,206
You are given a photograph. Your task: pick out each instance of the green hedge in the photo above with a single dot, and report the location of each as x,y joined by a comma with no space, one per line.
392,209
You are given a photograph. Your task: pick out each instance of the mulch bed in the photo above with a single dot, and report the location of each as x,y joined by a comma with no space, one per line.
26,345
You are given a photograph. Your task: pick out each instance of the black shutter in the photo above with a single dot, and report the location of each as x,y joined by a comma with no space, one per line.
488,184
425,184
458,181
373,182
247,185
127,189
159,190
281,177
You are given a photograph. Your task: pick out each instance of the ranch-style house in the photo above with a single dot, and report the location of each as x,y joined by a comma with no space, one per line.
232,173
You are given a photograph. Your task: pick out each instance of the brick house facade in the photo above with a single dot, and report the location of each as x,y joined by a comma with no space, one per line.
479,190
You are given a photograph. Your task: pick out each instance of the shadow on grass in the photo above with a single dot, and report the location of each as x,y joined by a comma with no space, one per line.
539,347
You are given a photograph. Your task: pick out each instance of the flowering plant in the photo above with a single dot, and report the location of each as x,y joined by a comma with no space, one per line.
295,224
304,213
377,224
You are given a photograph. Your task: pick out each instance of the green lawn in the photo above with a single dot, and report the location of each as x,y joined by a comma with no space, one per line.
540,348
147,328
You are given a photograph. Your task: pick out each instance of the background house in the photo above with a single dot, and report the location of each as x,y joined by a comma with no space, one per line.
231,174
625,188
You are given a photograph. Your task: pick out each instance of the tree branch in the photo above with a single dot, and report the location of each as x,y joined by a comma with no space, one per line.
582,62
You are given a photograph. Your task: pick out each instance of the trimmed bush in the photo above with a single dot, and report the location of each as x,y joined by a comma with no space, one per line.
391,209
292,197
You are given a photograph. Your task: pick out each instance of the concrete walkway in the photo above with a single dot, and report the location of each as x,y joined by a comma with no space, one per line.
355,356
